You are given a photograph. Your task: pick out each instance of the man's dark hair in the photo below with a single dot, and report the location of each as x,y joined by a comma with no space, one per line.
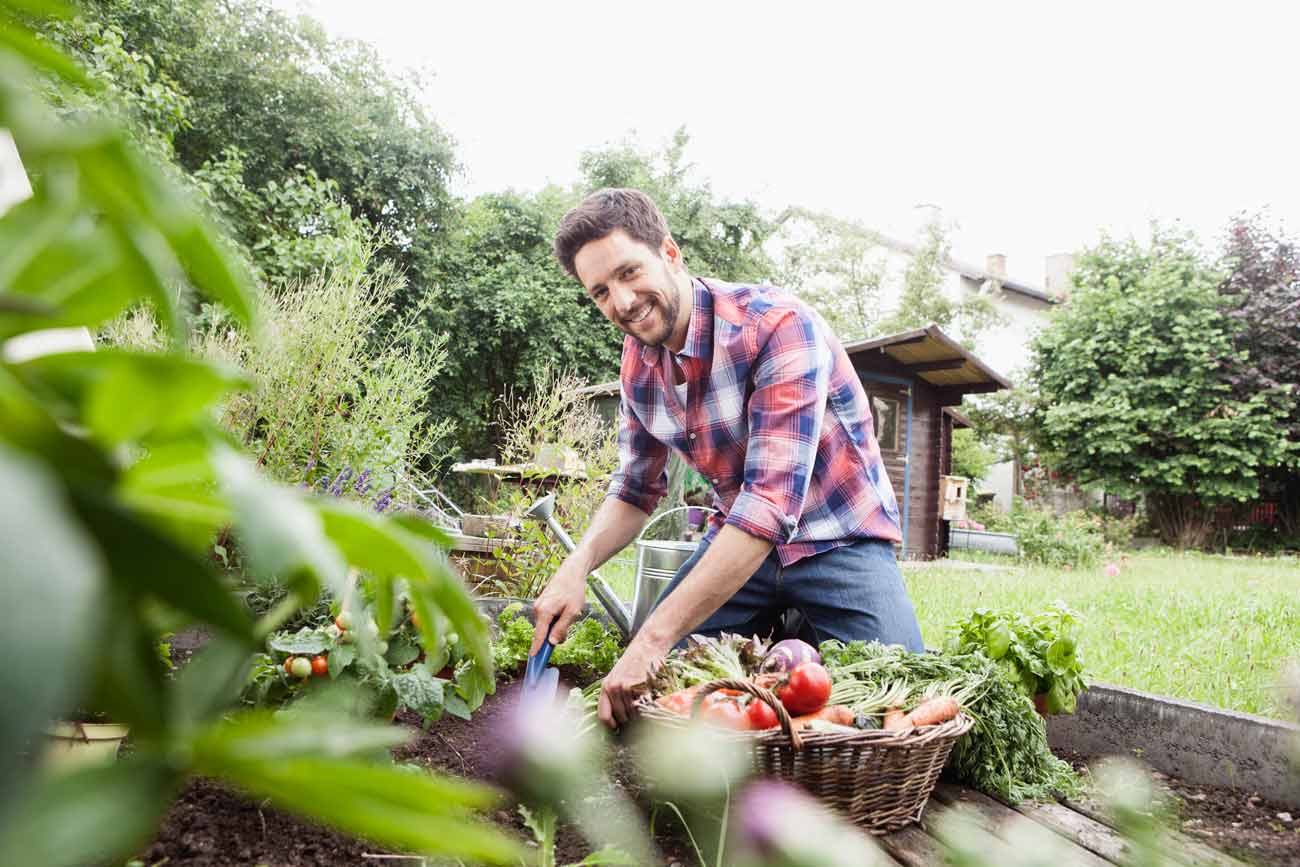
603,212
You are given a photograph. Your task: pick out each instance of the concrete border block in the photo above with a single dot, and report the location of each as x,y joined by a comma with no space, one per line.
1200,744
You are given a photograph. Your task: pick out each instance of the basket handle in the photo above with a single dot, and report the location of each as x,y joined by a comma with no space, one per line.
760,694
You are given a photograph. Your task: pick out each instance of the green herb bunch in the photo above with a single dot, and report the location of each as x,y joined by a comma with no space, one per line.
1039,652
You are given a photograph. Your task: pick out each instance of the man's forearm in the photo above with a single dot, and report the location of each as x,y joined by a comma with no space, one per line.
732,558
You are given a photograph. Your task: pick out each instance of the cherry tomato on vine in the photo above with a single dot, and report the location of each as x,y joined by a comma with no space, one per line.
301,667
320,665
288,666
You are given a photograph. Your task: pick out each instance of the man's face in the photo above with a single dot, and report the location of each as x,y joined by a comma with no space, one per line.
633,285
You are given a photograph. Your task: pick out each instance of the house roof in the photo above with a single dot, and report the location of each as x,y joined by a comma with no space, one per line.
965,269
934,357
927,352
958,420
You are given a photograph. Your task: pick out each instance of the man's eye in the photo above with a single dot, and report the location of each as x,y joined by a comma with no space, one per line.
599,294
629,273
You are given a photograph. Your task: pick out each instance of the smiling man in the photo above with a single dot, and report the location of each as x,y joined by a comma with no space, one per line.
751,388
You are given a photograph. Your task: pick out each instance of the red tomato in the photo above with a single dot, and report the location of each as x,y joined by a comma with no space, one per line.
807,690
288,666
723,711
760,715
320,666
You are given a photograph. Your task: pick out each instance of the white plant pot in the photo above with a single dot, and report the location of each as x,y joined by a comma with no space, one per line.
70,745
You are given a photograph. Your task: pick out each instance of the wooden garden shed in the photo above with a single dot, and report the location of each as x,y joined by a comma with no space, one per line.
914,381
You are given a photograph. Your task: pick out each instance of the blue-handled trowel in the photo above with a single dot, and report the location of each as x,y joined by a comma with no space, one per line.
541,682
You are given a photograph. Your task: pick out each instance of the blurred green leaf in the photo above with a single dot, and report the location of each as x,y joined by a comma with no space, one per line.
48,8
49,594
257,736
26,424
423,528
147,261
91,816
218,274
41,54
210,682
127,680
145,560
174,487
370,542
127,395
283,535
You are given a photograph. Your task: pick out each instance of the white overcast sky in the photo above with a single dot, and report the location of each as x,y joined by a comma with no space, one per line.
1032,125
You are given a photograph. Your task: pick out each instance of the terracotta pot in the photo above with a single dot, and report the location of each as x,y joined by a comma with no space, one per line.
72,745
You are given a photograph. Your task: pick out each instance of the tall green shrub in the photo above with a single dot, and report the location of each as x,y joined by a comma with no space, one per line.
1132,390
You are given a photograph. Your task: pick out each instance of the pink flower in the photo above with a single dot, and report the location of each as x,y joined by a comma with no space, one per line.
1112,569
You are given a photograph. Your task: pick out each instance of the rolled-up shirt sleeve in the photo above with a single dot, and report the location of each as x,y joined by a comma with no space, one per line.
785,412
642,475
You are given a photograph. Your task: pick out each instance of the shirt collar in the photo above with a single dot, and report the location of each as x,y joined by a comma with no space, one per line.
699,331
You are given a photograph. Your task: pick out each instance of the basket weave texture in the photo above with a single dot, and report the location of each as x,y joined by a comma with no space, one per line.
880,780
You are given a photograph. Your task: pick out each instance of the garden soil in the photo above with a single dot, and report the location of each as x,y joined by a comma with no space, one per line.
212,825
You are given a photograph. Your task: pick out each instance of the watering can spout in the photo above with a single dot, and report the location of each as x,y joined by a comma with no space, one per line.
544,510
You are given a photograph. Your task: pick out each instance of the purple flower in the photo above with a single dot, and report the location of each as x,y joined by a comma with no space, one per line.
384,500
784,825
363,483
339,481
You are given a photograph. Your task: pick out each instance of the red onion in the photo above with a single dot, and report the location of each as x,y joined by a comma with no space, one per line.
785,655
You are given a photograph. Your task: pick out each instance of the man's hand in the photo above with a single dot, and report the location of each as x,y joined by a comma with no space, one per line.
561,602
625,682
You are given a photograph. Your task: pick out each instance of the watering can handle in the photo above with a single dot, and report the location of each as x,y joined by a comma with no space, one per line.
667,512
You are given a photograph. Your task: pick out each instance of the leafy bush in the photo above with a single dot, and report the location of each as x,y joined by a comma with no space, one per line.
1073,539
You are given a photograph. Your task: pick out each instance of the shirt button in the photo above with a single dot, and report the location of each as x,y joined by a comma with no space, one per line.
717,481
692,436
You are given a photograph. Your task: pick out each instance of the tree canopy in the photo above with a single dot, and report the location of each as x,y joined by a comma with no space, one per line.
1132,387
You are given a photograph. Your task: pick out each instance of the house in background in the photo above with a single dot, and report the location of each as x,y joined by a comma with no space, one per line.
914,381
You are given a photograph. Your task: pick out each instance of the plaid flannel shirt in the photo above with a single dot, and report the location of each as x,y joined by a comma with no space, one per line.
775,418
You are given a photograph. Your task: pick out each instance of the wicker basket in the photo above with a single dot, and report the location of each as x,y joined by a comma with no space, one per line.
880,780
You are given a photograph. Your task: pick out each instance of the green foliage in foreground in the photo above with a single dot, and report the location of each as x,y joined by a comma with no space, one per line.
115,483
1204,628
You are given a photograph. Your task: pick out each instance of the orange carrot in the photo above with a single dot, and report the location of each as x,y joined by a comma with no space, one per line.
932,711
834,713
895,720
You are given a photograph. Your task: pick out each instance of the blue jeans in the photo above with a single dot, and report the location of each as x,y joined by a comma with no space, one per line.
851,592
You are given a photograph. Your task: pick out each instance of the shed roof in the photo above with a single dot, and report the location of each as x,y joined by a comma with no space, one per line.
934,357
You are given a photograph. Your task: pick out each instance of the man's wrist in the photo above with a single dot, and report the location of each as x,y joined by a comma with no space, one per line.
655,639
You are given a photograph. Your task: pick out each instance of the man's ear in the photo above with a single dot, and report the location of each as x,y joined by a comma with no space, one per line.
671,252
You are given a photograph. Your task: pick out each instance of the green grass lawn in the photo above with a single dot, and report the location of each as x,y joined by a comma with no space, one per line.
1212,629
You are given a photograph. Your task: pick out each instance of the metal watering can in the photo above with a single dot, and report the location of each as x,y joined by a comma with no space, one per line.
656,564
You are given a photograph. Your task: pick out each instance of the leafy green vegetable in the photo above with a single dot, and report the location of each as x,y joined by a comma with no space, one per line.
591,647
1038,652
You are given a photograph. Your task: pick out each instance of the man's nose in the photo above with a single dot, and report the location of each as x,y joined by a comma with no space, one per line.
624,299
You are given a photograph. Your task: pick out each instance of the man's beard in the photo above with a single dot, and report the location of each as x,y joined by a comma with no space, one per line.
670,308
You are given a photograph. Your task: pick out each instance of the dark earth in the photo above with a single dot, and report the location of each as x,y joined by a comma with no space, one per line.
213,826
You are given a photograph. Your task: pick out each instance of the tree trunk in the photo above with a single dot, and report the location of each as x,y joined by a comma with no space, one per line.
1289,513
1182,520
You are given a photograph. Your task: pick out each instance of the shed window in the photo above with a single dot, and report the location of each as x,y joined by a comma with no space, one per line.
884,412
